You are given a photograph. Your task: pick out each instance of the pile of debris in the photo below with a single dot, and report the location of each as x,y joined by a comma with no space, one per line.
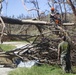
44,50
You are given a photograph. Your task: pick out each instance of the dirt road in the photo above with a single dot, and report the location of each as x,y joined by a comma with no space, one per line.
5,71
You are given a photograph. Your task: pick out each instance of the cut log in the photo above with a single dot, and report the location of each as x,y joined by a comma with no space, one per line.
68,24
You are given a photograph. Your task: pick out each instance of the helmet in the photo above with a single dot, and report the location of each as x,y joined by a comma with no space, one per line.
52,9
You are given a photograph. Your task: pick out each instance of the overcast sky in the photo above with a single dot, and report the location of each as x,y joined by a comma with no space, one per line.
16,8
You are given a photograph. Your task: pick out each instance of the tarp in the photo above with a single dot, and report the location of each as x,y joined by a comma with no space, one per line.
28,63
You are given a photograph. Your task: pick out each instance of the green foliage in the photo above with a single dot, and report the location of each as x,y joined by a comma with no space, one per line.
39,70
8,47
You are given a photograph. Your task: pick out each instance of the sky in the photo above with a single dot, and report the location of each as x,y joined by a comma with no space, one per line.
16,8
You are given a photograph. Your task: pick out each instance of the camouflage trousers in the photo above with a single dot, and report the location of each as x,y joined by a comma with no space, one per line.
65,63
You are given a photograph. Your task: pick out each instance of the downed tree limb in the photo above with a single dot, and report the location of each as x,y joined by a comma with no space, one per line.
35,22
68,24
20,22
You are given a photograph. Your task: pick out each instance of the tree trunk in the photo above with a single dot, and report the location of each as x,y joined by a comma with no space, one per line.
61,10
72,6
65,10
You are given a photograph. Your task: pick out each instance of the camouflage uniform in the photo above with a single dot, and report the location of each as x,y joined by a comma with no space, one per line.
65,56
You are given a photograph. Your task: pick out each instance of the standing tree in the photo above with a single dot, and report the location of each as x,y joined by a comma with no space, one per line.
35,8
70,2
1,5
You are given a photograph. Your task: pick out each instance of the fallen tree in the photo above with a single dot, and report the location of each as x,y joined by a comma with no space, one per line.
43,49
30,21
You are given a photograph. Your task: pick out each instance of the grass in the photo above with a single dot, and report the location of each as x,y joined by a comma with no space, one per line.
8,47
39,70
